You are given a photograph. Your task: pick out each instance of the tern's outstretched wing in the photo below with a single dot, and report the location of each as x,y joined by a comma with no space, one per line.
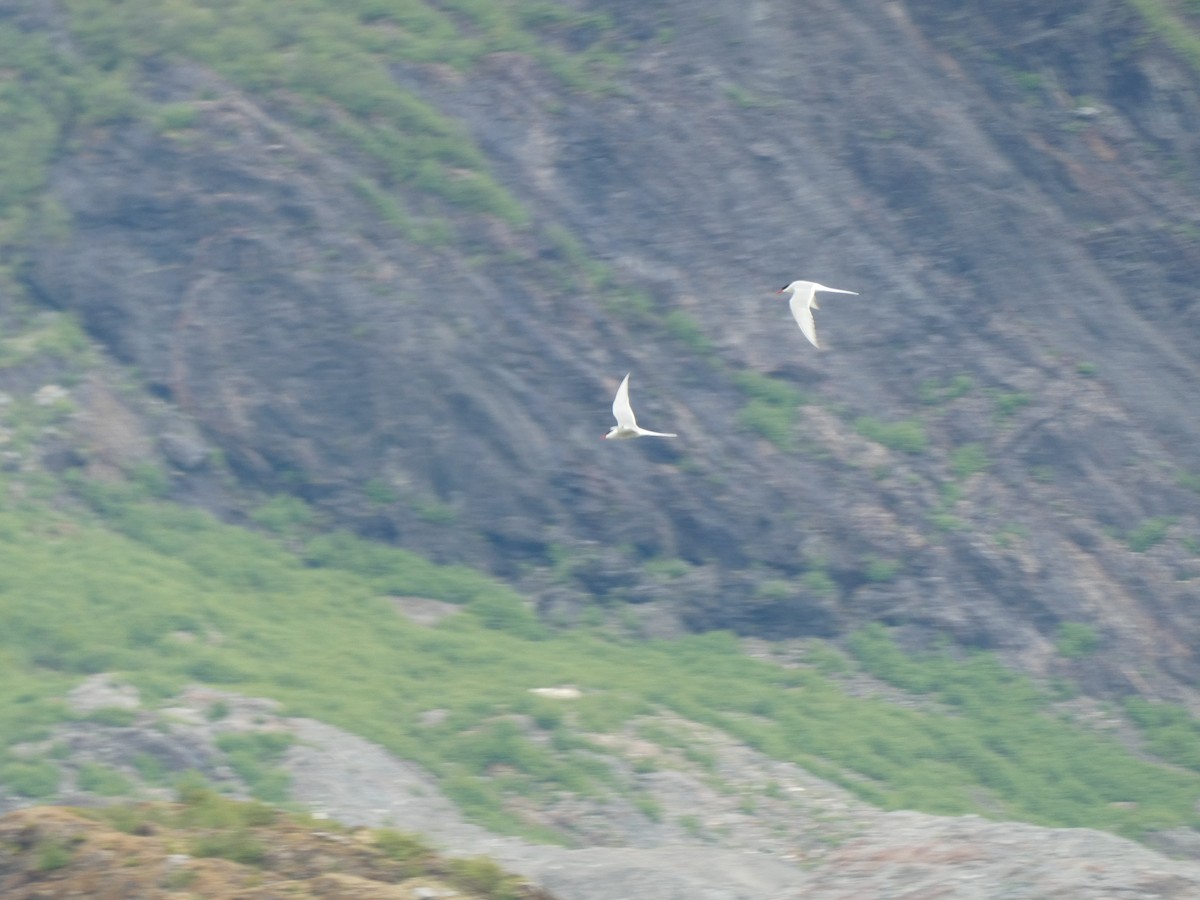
820,287
622,411
801,304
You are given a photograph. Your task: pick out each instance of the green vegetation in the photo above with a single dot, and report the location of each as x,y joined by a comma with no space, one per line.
771,411
283,514
881,570
826,659
969,459
435,512
52,854
239,845
55,336
906,436
1028,81
1150,533
685,329
934,393
380,492
103,780
323,66
648,807
208,825
1179,36
150,769
1076,639
1171,732
327,65
404,848
203,807
942,516
226,828
41,88
770,390
253,755
166,595
667,567
818,582
634,306
774,589
1009,403
1042,473
217,711
481,875
1189,480
1089,770
33,779
173,117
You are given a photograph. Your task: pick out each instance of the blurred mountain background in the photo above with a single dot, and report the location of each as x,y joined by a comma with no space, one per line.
311,314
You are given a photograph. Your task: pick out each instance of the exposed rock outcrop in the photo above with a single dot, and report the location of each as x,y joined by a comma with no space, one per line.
743,827
995,182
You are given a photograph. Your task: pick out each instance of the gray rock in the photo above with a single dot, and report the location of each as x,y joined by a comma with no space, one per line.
101,691
186,451
1179,843
863,852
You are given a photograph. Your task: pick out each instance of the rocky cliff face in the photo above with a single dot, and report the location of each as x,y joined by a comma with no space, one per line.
998,439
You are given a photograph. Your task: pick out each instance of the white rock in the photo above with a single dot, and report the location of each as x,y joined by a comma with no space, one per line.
49,394
558,693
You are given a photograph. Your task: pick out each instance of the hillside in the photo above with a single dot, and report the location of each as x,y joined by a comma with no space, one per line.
311,314
214,848
150,650
403,290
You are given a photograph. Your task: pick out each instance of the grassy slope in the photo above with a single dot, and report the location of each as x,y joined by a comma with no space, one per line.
169,596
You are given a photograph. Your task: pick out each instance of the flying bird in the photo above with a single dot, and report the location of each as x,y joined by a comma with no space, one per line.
627,426
804,301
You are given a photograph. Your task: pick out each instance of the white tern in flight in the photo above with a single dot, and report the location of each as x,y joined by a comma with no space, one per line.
627,426
804,301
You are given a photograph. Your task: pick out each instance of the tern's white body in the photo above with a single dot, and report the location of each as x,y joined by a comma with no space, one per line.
627,426
804,301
